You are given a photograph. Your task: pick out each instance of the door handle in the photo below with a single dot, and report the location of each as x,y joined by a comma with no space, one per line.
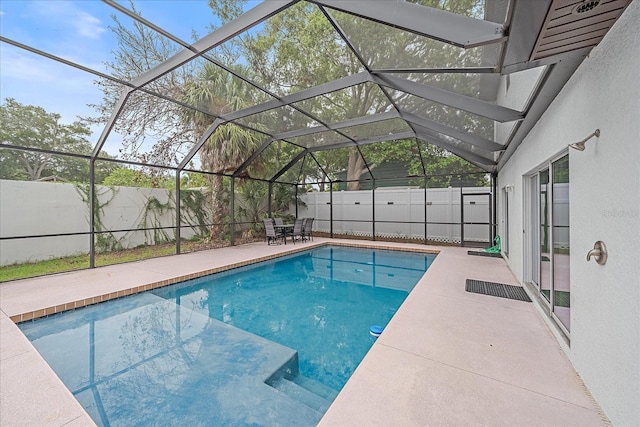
599,253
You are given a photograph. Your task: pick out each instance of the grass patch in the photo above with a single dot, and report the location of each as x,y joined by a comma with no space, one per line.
32,269
136,254
79,262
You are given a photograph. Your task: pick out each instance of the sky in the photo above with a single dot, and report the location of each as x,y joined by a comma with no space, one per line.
77,31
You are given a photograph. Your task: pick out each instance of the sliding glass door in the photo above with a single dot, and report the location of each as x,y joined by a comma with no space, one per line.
548,238
561,247
532,253
545,235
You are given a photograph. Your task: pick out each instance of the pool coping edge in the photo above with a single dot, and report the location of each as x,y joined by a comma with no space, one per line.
59,308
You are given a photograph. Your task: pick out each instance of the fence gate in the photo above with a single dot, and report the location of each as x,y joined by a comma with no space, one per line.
476,206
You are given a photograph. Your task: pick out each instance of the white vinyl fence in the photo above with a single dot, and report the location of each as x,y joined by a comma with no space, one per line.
40,208
400,213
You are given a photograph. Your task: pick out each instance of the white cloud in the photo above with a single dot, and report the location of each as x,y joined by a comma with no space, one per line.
22,67
66,29
74,31
37,81
68,13
88,26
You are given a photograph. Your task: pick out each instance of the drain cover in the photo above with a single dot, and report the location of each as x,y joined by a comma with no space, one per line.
497,290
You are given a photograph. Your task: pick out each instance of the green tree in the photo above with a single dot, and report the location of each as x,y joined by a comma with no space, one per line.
299,48
441,167
33,127
291,51
151,127
252,204
127,177
194,180
173,126
216,90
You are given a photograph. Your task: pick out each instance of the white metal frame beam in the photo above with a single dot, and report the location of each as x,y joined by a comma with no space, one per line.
447,27
479,161
252,17
381,138
467,137
429,22
338,125
302,95
203,138
555,79
428,136
452,99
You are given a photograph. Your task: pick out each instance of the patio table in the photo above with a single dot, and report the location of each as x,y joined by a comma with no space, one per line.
286,230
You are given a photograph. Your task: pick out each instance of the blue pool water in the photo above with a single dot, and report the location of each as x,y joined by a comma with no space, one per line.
271,343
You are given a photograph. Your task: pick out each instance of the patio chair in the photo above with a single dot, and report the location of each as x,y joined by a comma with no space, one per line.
307,233
297,231
280,228
272,235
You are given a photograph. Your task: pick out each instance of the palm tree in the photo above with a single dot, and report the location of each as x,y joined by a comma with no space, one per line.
215,90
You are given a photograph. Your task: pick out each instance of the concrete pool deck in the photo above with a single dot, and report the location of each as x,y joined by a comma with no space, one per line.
448,357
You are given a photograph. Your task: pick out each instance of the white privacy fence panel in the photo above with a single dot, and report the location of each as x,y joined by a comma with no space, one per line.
37,208
320,209
352,207
477,212
400,213
396,209
30,208
131,208
443,214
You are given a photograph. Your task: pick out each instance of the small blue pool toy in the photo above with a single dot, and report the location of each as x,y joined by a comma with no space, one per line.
375,330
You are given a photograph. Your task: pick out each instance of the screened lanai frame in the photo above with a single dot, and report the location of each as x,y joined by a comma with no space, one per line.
400,85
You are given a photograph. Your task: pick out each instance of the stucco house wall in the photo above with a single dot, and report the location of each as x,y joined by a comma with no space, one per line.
604,93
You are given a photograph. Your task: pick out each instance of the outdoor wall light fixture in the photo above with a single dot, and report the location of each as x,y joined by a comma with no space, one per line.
580,145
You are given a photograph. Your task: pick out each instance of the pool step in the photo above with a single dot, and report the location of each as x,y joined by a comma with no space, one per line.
302,394
315,387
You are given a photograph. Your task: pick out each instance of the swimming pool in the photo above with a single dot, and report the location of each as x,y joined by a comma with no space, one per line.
270,343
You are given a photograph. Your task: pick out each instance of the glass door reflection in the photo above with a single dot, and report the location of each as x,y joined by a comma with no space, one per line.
561,247
545,236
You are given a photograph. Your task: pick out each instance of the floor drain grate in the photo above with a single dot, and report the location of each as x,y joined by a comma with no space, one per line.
497,290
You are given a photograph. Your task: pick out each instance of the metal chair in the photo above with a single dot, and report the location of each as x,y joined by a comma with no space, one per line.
297,231
307,233
279,226
272,235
